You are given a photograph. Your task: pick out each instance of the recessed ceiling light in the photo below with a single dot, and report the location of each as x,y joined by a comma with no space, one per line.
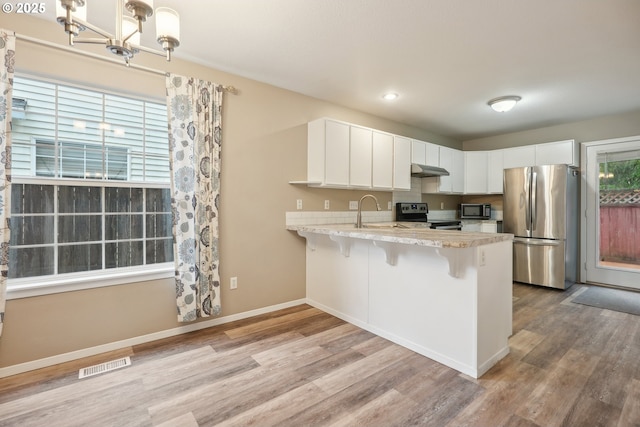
504,103
390,96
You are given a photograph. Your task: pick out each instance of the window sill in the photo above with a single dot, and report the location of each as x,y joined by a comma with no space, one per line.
25,288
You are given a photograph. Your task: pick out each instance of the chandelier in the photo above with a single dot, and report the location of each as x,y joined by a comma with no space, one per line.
126,41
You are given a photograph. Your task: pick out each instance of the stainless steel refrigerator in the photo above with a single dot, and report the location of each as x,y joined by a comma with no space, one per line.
540,208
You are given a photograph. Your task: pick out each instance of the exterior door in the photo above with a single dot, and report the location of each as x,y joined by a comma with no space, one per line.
612,212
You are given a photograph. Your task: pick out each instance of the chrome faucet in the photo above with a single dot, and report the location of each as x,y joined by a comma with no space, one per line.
359,217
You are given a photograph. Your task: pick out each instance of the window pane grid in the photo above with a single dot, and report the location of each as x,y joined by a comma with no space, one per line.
91,178
118,227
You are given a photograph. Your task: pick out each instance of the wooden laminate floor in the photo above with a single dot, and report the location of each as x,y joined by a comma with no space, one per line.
570,365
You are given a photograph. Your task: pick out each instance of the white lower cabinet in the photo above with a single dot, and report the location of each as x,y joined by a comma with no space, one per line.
407,294
479,226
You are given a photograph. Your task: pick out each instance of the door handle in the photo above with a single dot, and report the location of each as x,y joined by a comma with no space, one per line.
536,242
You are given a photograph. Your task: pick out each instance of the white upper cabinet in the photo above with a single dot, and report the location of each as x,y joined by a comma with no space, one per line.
518,157
382,162
558,153
336,154
418,152
457,172
476,172
401,163
453,161
425,153
360,157
342,155
495,171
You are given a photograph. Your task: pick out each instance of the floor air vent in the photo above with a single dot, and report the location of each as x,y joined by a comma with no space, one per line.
104,367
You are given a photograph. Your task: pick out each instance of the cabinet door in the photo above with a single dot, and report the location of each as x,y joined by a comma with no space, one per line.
382,167
360,157
476,172
433,155
473,226
495,171
446,161
336,154
557,153
488,227
418,152
457,172
401,163
519,156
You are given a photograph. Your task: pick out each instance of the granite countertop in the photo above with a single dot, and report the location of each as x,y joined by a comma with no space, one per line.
405,233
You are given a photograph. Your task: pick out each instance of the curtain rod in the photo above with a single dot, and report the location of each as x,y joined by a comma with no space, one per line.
229,89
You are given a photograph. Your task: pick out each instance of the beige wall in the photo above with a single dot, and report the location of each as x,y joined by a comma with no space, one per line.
607,127
264,147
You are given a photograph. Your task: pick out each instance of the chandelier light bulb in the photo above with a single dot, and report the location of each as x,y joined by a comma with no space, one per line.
130,16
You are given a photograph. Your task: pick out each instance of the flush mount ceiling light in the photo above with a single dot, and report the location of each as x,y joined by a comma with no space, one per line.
126,41
504,103
390,96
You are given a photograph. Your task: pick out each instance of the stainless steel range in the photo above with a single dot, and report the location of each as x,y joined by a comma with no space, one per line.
418,212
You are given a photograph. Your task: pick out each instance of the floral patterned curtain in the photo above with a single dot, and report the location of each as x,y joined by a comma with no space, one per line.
7,56
194,108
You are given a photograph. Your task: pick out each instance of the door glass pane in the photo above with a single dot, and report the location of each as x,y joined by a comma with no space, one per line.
619,209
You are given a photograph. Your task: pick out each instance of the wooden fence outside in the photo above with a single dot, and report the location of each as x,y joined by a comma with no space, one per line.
620,227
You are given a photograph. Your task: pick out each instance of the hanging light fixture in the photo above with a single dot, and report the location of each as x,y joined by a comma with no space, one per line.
504,103
126,41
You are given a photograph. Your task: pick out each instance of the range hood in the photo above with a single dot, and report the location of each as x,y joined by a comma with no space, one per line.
424,171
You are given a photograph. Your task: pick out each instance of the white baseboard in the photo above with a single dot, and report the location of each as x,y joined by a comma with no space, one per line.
116,345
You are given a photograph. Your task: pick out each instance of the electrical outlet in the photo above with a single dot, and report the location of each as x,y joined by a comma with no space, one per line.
389,206
299,204
233,283
482,257
327,204
441,205
353,205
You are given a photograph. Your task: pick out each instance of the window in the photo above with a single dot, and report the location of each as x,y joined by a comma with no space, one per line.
80,160
91,188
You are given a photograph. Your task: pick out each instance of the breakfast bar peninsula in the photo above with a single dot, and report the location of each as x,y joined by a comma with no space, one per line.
441,293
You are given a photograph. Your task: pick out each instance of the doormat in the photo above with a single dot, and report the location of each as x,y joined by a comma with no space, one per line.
610,299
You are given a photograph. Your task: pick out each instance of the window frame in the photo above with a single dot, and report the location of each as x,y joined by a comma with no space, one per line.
43,285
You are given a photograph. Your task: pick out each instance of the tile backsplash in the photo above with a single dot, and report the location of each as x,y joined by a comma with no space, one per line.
342,217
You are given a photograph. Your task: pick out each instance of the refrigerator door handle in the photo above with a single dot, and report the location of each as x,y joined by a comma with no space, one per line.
527,208
536,242
534,205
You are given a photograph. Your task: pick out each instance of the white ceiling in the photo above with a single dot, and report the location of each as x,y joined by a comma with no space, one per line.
569,60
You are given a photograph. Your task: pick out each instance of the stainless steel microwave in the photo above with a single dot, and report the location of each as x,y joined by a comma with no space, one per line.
475,211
